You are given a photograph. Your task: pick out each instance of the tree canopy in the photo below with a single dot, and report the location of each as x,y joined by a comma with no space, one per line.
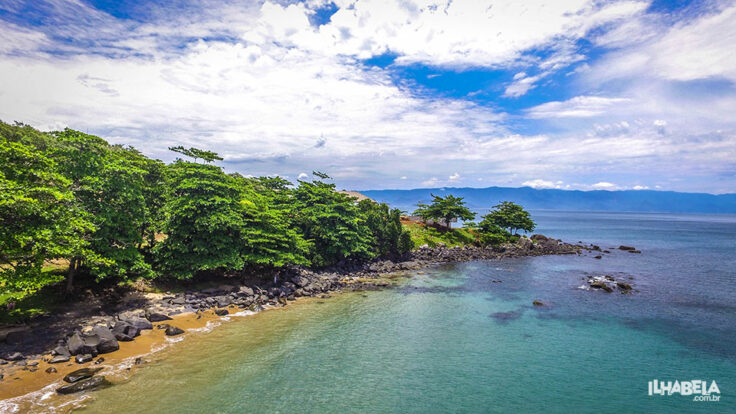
444,210
109,213
510,216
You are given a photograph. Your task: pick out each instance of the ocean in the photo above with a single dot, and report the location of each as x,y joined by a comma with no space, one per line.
447,339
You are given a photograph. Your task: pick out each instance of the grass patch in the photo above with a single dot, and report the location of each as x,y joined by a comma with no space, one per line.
431,236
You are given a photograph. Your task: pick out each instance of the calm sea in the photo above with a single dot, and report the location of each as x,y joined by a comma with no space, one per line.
450,340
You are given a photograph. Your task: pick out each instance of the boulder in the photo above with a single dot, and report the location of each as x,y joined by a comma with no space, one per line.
81,345
61,350
538,237
173,331
124,331
15,356
59,358
155,315
106,341
99,360
622,247
81,374
83,358
245,291
598,257
221,312
525,243
538,303
51,370
88,384
139,323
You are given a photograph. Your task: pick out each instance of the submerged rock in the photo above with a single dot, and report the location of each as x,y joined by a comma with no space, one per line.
81,374
599,284
88,384
539,303
221,312
622,247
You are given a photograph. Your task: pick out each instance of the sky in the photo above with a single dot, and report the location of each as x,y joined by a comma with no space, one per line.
569,94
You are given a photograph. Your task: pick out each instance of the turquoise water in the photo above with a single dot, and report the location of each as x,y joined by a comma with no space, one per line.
450,340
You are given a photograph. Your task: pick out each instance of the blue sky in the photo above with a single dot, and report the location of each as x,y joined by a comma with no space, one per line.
572,94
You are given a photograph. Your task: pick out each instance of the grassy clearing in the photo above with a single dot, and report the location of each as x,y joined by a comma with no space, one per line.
432,236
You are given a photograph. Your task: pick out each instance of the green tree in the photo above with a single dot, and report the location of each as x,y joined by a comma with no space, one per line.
203,224
444,210
39,216
385,226
109,184
510,216
331,221
268,237
196,153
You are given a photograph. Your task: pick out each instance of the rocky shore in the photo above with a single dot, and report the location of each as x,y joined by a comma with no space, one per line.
90,329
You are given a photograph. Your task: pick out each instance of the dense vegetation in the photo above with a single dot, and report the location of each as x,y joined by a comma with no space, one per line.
500,225
108,213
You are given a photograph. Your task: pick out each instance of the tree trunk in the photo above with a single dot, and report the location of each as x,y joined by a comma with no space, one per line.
70,274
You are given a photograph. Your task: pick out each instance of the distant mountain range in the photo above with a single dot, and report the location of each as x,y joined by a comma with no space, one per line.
530,198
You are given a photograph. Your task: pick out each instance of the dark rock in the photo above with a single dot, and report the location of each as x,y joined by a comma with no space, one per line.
282,300
599,284
623,286
61,350
15,356
124,331
50,370
634,251
59,358
221,312
78,345
154,315
245,291
626,247
173,331
81,374
598,257
33,363
139,323
99,360
538,303
178,301
88,384
83,358
106,340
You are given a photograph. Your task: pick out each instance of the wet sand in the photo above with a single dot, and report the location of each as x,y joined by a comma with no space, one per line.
23,387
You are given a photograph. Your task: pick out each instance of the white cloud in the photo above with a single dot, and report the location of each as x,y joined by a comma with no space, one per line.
603,185
303,176
454,177
540,184
577,107
640,187
696,49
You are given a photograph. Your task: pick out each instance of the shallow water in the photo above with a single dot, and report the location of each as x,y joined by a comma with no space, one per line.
448,339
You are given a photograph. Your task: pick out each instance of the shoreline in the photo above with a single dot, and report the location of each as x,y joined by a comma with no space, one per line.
195,311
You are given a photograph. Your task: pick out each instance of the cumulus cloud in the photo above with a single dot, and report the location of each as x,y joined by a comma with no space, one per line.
263,85
604,185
